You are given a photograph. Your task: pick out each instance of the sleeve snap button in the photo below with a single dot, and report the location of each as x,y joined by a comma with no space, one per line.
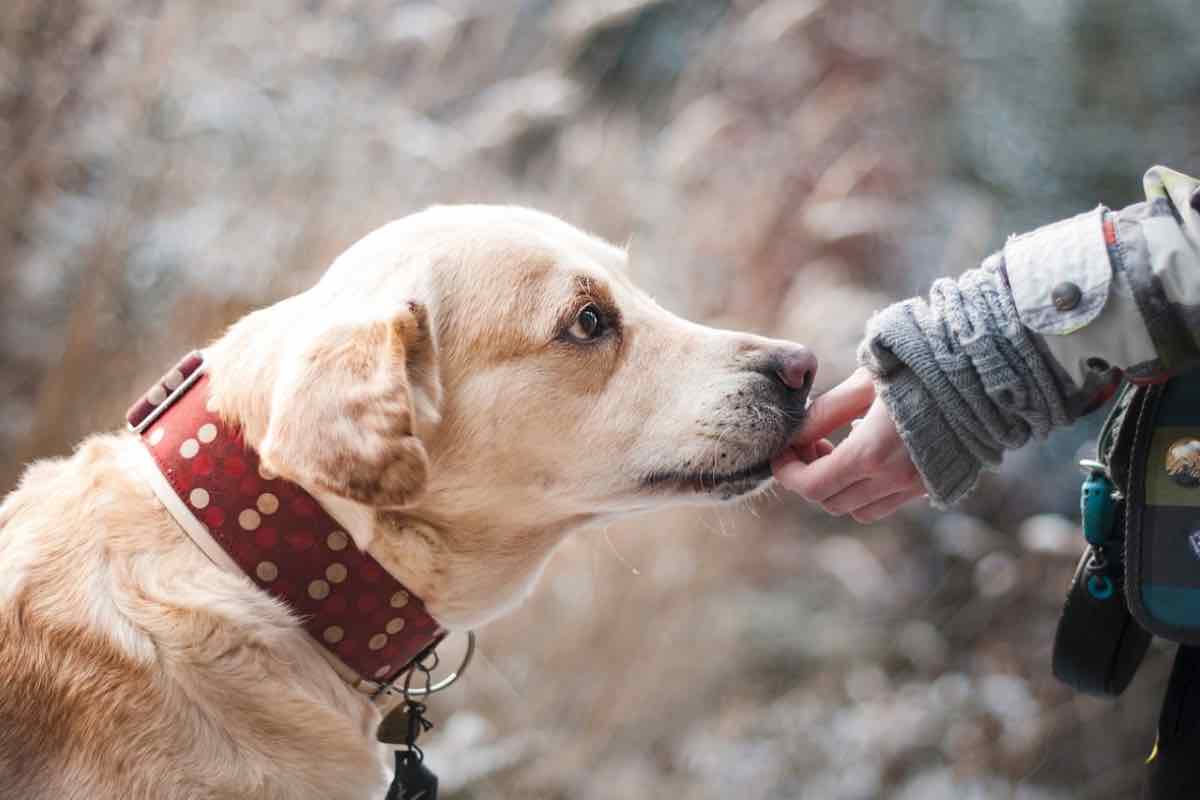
1066,296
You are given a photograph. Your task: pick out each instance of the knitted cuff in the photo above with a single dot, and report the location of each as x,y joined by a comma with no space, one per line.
947,468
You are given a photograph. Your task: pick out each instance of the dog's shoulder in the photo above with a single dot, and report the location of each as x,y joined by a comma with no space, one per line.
135,667
65,678
70,516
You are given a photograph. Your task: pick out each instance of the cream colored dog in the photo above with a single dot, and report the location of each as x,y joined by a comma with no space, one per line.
461,390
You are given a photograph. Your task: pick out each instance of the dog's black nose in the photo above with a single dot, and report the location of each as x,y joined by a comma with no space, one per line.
796,366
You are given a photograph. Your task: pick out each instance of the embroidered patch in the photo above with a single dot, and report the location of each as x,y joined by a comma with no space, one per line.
1183,462
1194,541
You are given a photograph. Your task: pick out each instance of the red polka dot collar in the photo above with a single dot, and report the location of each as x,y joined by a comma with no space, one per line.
276,533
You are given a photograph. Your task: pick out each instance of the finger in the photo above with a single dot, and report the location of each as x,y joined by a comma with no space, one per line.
864,493
825,477
811,451
887,506
801,454
792,454
860,487
838,406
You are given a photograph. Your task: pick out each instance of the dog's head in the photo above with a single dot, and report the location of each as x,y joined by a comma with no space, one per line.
472,382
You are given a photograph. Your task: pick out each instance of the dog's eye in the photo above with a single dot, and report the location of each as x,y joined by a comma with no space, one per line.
588,325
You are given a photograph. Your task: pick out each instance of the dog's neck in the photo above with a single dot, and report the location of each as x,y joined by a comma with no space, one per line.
440,547
466,580
247,519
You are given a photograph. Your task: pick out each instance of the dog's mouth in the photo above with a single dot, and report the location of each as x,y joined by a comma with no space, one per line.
726,484
731,483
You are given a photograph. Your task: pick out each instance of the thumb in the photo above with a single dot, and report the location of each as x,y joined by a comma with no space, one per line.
836,408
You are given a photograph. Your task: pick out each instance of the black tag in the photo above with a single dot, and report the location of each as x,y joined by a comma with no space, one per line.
414,780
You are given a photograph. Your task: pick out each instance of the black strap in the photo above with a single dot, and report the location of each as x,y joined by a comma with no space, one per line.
1115,445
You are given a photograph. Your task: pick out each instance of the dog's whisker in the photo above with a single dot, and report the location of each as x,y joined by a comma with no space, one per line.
616,553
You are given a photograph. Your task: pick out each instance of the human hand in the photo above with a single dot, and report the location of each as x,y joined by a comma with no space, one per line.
869,475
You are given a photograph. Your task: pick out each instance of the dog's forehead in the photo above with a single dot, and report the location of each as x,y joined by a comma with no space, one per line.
534,227
512,238
530,245
504,251
477,260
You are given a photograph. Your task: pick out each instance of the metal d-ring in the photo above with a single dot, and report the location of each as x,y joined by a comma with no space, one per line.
449,680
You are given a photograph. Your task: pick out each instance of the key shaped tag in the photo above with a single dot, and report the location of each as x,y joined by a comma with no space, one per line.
414,780
394,727
404,725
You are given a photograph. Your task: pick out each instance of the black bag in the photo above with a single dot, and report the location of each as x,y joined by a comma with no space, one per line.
1098,645
1144,577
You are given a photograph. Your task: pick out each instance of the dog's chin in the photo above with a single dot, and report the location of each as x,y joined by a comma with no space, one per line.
720,486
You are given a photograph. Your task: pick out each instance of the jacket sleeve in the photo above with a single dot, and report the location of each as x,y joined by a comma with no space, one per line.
1041,333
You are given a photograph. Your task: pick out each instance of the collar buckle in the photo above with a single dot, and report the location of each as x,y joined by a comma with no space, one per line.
163,394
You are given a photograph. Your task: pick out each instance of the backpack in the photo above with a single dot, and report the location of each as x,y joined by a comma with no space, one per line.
1139,574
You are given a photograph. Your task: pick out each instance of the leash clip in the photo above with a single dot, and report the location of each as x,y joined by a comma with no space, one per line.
430,688
449,680
1097,503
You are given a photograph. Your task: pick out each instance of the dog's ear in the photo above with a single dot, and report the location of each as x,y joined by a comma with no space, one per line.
347,408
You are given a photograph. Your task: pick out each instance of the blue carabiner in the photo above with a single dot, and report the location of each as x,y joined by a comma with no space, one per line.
1097,504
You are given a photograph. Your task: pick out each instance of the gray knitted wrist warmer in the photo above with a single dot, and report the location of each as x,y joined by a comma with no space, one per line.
948,469
963,379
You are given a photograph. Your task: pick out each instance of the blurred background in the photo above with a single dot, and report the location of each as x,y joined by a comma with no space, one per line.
783,166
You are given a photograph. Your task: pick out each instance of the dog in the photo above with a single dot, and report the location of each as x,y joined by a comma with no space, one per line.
461,390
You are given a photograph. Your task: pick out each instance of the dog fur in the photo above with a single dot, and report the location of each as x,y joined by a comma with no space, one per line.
432,392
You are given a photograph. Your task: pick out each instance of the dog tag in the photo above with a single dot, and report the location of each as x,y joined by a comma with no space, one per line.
394,727
413,780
